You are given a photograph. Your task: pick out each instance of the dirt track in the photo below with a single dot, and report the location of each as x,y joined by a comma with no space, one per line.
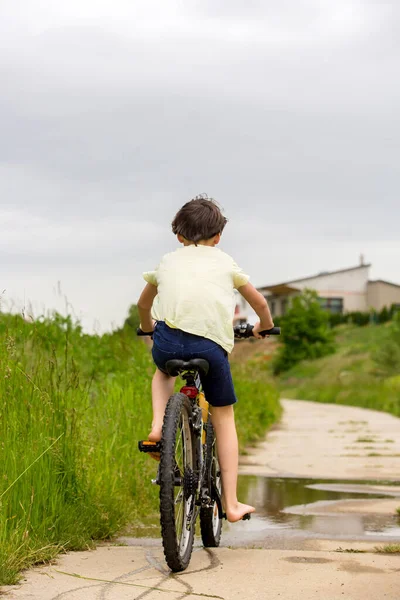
313,440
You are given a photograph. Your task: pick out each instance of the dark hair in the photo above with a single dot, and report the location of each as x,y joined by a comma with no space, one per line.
199,219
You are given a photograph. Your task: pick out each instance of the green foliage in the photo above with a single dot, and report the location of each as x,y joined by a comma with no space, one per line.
133,320
361,318
72,407
258,406
305,332
350,376
387,356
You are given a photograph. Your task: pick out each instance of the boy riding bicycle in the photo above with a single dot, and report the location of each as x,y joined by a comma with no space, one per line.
191,296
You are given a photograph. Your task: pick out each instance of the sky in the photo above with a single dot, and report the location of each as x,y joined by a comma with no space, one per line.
113,114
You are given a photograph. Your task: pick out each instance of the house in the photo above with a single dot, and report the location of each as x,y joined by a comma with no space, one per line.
345,290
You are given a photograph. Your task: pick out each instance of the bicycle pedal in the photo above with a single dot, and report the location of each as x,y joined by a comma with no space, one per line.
147,446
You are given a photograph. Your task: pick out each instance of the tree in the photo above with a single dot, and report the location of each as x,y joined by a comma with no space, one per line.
132,321
306,333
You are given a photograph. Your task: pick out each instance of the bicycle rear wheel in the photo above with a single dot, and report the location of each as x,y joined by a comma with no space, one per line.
177,483
210,516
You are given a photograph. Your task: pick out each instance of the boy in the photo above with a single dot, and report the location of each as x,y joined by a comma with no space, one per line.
192,297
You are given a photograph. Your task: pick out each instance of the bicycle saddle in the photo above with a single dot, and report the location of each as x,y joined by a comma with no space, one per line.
175,366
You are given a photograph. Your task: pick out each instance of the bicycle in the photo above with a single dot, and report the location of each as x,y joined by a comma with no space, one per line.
188,472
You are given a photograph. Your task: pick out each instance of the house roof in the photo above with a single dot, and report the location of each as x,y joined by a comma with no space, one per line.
281,289
384,281
323,274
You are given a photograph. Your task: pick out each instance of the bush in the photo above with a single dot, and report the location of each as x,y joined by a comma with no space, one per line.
305,332
336,319
361,318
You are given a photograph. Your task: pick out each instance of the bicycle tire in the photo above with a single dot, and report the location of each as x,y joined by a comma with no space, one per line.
210,516
177,486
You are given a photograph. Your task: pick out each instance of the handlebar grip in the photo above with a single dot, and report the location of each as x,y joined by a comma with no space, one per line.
142,333
273,331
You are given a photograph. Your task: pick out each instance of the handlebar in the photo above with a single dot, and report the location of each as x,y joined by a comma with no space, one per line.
240,331
245,330
142,333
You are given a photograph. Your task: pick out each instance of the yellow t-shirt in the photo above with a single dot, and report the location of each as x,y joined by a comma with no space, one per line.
196,292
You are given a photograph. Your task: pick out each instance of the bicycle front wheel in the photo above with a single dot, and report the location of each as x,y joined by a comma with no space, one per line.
177,483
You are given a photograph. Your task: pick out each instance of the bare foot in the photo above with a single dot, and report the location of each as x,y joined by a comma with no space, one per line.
237,511
155,434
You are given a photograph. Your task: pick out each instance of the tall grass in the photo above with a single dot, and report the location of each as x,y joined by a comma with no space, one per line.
72,407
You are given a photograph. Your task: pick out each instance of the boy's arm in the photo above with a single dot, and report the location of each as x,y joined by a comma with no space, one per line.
144,305
259,304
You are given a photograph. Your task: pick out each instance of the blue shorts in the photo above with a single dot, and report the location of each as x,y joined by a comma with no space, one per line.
174,343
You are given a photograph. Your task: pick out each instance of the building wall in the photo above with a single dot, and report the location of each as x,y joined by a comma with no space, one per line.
350,285
381,293
278,304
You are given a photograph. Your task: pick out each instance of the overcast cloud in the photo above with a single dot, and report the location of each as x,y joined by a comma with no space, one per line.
113,114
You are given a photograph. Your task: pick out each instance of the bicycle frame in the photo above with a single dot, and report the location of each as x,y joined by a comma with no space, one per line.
193,390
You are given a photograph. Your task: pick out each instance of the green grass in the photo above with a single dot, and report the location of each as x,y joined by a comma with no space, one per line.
350,376
258,402
72,407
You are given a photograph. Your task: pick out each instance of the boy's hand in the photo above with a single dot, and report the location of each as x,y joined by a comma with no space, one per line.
148,329
256,331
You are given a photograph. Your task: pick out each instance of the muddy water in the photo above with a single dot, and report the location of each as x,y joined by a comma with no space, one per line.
297,509
304,508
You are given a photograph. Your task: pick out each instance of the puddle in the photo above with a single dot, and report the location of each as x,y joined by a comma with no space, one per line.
315,509
290,509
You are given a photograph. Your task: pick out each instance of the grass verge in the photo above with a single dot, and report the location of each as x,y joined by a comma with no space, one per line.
350,376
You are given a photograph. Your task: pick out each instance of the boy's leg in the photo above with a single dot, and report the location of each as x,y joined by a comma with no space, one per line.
223,420
162,388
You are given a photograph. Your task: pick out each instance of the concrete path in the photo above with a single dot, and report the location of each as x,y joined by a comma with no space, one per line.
132,573
313,440
328,441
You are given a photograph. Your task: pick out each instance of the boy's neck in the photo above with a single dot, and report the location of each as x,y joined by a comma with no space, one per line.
211,243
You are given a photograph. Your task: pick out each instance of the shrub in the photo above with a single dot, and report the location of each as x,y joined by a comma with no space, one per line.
336,319
305,332
359,318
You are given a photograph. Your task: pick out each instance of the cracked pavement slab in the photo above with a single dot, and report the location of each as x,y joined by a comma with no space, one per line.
133,573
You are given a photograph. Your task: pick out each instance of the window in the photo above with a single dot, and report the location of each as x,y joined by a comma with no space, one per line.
272,304
333,305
